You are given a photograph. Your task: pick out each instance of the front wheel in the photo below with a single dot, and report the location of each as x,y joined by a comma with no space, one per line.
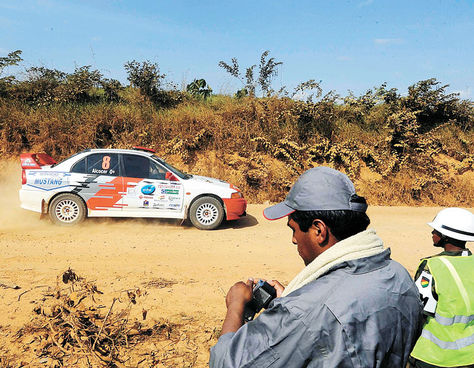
67,210
206,213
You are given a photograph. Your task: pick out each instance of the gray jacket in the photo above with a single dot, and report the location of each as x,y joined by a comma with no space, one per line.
362,313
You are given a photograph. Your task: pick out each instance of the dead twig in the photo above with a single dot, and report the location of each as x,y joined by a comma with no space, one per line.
26,291
19,296
103,324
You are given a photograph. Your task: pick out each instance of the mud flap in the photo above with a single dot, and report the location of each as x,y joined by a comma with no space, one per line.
44,209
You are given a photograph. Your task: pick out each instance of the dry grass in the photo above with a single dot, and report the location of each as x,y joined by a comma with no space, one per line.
260,145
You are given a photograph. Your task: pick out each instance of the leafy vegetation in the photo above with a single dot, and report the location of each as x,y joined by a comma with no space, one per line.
267,69
199,88
400,149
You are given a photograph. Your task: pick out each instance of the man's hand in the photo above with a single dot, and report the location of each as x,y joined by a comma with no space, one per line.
237,296
276,284
278,287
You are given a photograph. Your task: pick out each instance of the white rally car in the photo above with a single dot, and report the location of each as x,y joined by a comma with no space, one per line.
124,183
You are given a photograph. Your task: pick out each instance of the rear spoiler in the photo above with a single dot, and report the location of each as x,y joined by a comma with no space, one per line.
35,160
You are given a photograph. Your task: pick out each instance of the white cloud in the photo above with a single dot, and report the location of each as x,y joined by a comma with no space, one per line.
301,95
388,41
465,94
365,3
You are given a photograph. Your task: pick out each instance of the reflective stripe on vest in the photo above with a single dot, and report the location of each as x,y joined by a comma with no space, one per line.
448,345
445,321
459,283
447,339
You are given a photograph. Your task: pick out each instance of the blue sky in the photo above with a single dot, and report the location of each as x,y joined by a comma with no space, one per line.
348,45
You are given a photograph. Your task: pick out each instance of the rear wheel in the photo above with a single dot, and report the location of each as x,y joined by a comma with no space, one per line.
67,210
206,213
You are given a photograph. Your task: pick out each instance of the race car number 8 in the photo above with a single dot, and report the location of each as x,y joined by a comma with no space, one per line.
106,163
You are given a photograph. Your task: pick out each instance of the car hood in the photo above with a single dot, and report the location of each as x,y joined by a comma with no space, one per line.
205,179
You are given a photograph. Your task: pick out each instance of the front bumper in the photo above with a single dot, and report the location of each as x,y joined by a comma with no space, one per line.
234,207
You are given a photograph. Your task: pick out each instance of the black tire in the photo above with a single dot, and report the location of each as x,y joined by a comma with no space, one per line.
67,210
206,213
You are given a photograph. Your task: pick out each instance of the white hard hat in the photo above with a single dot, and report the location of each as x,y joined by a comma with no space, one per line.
455,223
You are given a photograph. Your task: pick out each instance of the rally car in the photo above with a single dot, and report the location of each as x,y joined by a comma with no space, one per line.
124,183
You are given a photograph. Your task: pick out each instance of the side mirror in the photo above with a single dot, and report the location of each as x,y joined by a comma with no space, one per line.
170,176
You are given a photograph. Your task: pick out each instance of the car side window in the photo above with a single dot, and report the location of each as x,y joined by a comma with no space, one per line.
157,172
103,164
79,167
136,166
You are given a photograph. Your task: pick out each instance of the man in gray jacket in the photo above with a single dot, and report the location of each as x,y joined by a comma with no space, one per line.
351,306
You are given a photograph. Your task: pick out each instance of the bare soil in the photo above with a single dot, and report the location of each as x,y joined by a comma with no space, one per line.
182,273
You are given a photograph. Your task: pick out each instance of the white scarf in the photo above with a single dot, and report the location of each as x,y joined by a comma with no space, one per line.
363,244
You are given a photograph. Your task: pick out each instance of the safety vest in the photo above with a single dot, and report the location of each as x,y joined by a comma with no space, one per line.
447,339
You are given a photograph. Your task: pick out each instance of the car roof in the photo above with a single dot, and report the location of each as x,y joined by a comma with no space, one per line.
118,150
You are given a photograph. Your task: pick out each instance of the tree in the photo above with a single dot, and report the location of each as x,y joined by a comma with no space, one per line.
308,89
431,104
40,85
199,88
13,58
111,87
267,70
146,76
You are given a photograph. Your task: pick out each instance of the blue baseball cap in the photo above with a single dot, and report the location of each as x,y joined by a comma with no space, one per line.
318,189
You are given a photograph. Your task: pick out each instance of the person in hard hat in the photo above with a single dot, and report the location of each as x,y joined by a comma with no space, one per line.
446,285
350,306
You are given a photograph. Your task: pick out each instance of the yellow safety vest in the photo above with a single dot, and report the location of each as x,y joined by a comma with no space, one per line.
447,339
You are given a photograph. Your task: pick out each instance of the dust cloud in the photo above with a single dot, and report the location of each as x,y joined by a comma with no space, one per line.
12,216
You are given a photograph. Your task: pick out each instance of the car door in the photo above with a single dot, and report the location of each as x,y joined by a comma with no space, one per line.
149,190
98,181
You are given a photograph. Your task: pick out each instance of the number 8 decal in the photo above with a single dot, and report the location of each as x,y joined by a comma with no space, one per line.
106,163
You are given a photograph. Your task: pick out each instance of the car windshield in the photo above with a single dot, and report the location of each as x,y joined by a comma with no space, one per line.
181,174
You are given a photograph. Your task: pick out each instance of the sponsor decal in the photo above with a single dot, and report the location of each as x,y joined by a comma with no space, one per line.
49,173
169,186
29,162
174,198
424,282
169,191
146,203
141,197
148,189
48,181
103,172
174,205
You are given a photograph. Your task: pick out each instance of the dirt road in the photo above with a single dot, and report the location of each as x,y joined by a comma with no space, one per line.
185,272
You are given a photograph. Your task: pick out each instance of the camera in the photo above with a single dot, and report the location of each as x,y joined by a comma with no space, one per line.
263,294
